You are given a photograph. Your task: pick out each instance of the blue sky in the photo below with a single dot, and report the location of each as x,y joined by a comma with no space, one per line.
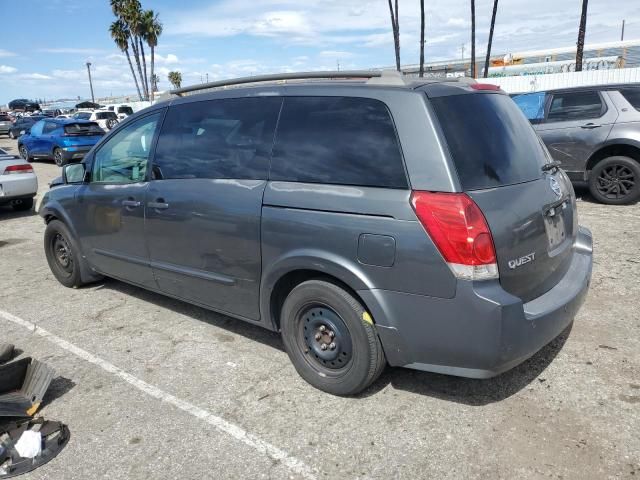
47,42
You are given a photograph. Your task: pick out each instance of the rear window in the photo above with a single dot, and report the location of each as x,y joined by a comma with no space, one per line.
632,95
337,140
105,115
126,110
83,129
491,142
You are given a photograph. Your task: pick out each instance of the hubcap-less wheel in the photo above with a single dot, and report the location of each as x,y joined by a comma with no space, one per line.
616,181
12,135
62,254
57,157
24,153
324,338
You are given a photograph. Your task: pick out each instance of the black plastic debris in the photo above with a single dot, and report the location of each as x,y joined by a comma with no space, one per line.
23,384
53,436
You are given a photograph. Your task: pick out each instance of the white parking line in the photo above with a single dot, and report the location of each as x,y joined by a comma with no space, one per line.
293,463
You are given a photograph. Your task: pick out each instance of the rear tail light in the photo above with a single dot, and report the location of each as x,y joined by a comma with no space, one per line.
15,169
460,232
485,86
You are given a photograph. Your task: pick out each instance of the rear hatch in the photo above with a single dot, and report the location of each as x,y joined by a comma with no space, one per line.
82,134
499,160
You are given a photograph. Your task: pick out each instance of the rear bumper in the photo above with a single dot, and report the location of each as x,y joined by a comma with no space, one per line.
482,331
15,187
74,153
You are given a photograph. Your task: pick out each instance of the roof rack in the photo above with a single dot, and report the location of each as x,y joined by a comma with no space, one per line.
385,77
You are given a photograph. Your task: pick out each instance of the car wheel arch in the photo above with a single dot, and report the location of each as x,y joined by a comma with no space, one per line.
283,275
615,148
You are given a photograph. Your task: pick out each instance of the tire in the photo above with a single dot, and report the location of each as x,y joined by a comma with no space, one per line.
24,153
58,157
615,181
24,205
317,312
63,255
12,135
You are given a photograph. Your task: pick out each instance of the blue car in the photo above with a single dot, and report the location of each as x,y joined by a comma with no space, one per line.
64,140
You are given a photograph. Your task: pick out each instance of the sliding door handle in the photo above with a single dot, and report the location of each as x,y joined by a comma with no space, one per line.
158,205
131,203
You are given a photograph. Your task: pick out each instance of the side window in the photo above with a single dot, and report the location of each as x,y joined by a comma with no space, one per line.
532,105
337,140
575,106
632,95
227,138
37,127
124,157
49,127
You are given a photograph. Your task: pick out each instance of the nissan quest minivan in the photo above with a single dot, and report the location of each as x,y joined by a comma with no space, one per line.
368,219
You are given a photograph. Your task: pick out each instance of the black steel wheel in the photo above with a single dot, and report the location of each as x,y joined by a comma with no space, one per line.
58,157
615,181
62,254
330,338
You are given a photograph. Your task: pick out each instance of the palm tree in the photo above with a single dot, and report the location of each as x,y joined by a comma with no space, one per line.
473,39
395,27
152,30
582,30
120,35
422,38
493,24
155,80
132,16
175,78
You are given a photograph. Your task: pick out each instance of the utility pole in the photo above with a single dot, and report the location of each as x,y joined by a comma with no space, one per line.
207,78
581,34
338,64
90,82
462,47
622,34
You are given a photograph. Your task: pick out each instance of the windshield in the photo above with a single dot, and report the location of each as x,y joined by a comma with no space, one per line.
88,128
491,142
127,110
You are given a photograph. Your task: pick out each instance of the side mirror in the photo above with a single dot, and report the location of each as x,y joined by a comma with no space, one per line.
74,173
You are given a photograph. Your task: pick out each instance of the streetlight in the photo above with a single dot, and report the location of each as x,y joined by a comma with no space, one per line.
90,83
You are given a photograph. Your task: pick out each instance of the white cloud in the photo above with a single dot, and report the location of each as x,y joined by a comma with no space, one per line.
7,69
34,76
457,22
6,53
169,59
336,54
72,50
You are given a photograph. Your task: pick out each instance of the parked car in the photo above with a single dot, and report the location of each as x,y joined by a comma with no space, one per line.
5,123
24,105
120,109
52,112
594,132
63,140
370,222
106,119
18,182
22,124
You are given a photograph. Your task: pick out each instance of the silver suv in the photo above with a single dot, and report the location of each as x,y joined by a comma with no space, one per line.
370,221
594,132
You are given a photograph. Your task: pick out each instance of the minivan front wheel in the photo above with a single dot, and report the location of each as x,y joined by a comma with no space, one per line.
330,338
615,180
62,254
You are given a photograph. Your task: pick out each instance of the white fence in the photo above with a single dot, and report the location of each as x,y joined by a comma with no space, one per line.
536,83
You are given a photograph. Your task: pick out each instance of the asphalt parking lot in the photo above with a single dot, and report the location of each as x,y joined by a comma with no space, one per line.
154,388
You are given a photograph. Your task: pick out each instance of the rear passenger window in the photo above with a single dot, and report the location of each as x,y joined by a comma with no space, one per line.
575,106
632,95
49,127
227,138
337,140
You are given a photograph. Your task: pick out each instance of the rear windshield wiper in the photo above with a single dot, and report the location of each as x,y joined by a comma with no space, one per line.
551,166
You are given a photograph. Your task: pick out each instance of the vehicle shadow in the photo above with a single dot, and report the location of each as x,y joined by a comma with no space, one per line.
582,193
455,389
8,213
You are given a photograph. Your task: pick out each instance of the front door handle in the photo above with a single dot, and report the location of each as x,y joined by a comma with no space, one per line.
130,203
159,205
590,125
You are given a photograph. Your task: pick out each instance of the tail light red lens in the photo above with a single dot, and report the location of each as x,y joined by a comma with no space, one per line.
460,232
15,169
485,86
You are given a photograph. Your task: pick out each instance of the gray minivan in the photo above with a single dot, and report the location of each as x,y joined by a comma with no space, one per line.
370,220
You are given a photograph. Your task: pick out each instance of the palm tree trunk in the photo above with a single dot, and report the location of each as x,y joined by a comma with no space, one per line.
136,55
473,39
493,24
582,30
135,79
395,27
153,82
144,67
422,38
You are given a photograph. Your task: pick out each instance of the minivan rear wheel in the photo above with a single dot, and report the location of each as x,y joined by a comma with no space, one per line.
615,180
58,157
330,338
